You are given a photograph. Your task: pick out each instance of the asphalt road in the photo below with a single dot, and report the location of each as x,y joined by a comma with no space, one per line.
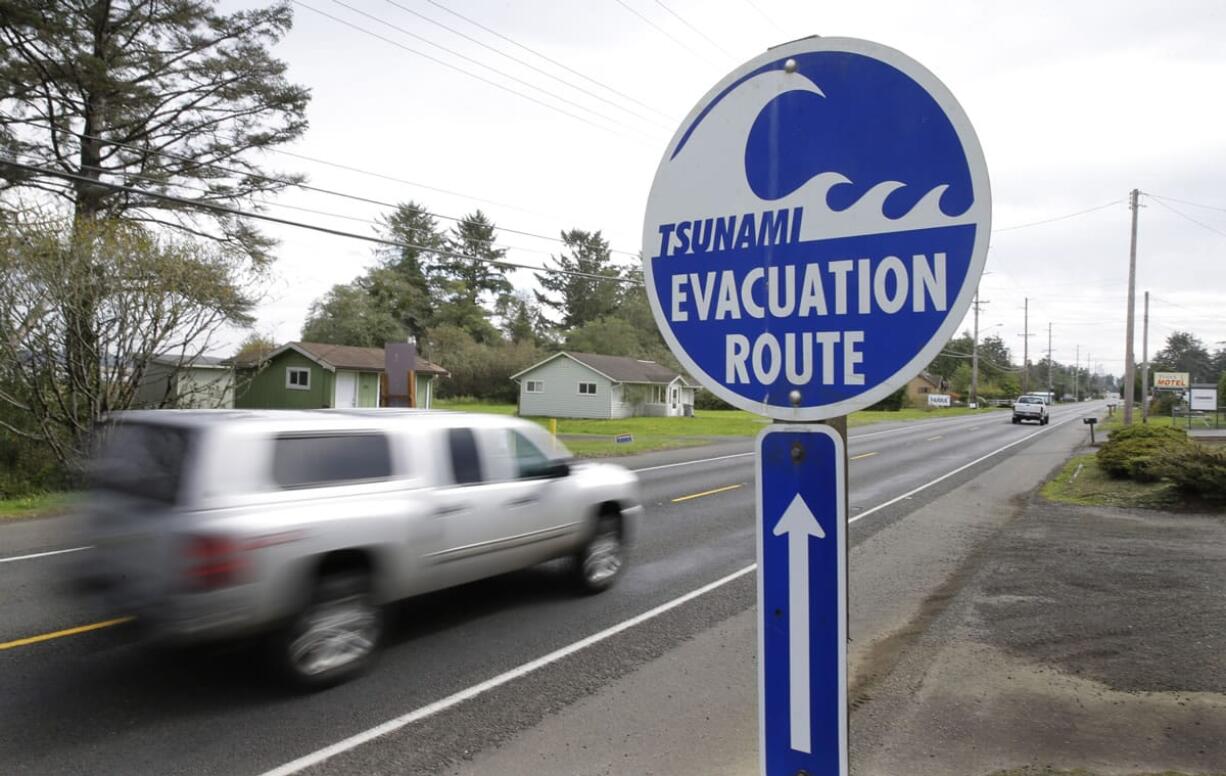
93,703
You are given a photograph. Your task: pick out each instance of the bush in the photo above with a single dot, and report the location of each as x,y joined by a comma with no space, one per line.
705,400
893,402
1196,469
1136,452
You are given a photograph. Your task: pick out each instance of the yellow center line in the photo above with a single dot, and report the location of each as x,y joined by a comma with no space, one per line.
862,455
933,439
93,626
709,492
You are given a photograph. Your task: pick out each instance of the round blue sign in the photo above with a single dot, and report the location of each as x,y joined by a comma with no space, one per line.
816,229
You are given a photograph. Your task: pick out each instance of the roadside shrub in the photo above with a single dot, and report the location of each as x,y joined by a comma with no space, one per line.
1136,452
1196,468
892,403
705,400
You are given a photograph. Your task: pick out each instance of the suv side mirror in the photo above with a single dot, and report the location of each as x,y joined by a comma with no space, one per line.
557,470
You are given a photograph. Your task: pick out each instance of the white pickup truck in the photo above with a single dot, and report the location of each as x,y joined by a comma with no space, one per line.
1031,408
212,524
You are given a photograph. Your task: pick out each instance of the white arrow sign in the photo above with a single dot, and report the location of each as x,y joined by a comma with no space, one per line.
799,523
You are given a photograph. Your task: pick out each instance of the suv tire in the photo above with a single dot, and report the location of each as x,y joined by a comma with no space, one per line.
601,560
335,636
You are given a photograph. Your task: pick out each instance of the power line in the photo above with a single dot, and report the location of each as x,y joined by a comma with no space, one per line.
696,31
1059,218
1185,202
479,63
526,64
456,68
300,209
768,19
214,207
548,59
1182,214
318,189
658,28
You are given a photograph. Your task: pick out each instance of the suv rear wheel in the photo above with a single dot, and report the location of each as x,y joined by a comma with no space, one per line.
600,562
335,636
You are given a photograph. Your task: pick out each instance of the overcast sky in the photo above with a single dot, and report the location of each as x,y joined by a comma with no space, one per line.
1075,103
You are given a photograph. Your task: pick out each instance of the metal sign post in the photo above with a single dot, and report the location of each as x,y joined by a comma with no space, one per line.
814,236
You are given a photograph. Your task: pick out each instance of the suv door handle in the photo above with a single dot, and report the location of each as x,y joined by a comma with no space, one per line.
450,509
522,501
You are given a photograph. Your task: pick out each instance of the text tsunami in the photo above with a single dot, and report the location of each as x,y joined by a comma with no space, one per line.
844,287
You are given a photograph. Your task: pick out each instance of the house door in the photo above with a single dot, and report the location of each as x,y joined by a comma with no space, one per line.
672,400
346,389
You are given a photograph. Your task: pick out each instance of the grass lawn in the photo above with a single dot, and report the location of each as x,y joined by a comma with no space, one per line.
664,433
1082,482
34,506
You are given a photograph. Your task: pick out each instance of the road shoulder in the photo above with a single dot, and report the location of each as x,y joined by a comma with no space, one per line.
1090,638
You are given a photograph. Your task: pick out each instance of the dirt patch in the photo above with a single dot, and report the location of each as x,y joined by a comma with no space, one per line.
1133,599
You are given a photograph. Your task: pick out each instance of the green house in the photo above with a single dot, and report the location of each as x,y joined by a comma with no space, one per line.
312,375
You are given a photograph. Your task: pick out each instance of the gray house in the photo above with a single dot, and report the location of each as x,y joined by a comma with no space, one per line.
203,382
589,385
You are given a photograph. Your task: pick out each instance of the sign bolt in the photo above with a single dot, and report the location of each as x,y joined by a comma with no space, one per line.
798,452
794,397
789,66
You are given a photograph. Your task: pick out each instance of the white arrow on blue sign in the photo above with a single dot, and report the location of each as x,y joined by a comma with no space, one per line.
802,601
816,228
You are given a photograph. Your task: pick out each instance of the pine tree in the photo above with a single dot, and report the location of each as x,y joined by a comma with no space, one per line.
579,300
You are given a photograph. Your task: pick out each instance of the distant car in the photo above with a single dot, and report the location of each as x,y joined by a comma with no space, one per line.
1031,408
302,525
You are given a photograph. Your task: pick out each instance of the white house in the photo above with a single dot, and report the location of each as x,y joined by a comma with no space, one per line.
589,385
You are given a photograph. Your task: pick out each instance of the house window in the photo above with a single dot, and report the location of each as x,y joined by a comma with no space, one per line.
534,386
657,394
587,389
298,378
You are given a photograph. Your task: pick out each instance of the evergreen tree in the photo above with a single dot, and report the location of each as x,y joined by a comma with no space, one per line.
469,281
147,93
576,299
411,263
1184,352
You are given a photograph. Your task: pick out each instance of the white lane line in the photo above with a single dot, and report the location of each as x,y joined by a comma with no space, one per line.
961,468
392,725
44,554
691,463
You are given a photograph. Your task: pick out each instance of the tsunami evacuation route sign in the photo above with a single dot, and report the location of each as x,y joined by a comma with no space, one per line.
818,224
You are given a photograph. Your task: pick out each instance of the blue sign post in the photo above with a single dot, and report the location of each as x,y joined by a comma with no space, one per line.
802,600
814,236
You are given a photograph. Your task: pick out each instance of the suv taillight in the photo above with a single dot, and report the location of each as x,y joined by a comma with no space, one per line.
213,562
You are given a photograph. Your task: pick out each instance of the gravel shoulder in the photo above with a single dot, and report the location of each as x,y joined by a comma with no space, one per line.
1090,638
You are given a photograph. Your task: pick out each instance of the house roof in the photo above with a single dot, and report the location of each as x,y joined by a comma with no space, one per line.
350,357
619,369
198,362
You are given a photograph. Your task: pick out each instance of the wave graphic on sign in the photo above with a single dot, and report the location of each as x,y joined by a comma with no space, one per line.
701,189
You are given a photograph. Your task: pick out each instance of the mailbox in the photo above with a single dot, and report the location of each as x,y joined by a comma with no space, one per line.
1089,421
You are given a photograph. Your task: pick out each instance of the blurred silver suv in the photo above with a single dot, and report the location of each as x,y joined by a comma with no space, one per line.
302,525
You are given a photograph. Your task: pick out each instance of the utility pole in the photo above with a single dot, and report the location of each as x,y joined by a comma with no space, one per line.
1050,393
1077,376
1026,347
1145,363
975,354
1129,366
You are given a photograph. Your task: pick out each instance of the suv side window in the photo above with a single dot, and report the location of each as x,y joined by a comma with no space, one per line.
529,460
465,461
314,460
